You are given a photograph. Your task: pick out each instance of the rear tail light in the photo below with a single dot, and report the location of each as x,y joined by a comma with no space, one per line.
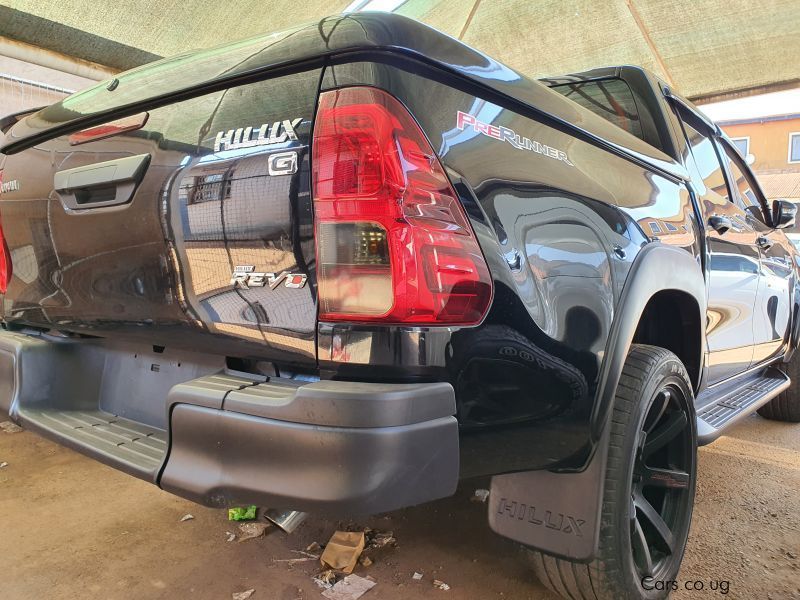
5,256
394,244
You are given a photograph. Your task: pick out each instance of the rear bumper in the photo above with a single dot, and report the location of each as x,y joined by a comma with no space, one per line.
337,447
227,438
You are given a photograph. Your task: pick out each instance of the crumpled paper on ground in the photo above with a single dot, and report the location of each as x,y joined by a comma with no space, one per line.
351,587
343,550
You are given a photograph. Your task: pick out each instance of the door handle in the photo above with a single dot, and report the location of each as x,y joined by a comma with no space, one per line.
764,242
720,224
101,184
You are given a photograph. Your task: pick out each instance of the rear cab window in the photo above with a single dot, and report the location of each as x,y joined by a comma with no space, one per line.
610,98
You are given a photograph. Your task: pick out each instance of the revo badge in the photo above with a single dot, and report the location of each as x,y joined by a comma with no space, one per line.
245,276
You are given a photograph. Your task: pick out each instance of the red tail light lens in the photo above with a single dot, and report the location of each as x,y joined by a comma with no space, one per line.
393,242
5,256
110,129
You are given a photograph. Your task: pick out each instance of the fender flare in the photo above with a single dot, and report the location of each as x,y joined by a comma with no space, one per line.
560,512
657,268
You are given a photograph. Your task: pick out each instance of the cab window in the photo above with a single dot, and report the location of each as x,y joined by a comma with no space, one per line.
706,161
610,98
744,191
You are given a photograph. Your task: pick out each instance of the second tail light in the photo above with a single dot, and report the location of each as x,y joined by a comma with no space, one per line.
5,256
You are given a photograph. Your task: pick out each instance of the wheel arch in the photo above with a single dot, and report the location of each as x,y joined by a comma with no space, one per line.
665,278
671,319
660,274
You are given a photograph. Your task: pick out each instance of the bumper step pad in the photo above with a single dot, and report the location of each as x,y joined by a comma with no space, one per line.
720,407
127,445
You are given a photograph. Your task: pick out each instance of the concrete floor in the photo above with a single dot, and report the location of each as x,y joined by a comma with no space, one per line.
72,528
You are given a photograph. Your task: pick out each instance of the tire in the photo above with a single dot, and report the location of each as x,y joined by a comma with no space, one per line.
786,405
655,396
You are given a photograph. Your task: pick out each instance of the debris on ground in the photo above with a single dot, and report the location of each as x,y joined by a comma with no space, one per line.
440,585
480,496
365,561
417,576
252,530
231,536
239,513
292,561
10,427
326,579
243,595
379,539
343,550
307,557
3,465
187,517
313,547
349,588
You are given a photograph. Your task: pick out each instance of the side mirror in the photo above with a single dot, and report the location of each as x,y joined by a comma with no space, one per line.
783,214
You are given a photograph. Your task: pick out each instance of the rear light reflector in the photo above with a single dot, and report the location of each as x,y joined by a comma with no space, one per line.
394,244
106,130
5,256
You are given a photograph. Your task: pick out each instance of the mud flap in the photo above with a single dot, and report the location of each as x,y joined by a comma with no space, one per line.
557,513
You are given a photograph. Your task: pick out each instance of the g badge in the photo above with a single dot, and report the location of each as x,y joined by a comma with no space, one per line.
282,163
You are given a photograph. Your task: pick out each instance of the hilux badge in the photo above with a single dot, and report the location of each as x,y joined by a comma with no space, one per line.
248,137
8,186
245,276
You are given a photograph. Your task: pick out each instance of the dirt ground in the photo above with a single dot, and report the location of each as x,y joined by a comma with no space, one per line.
72,528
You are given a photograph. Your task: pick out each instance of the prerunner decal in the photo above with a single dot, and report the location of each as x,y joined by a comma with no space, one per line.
504,134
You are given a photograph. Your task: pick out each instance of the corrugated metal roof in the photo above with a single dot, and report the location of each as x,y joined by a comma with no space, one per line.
780,185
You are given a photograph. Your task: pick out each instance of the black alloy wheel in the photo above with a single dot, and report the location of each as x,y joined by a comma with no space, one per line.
648,493
661,489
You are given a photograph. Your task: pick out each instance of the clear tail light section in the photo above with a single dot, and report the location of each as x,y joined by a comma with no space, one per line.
5,256
394,244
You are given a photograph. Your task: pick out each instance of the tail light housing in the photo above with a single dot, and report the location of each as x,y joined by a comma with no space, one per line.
5,256
394,244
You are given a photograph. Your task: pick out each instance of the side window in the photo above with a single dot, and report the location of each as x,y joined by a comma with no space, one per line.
707,161
745,193
612,99
742,145
794,147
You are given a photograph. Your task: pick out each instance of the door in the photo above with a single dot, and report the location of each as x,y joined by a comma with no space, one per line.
771,317
732,260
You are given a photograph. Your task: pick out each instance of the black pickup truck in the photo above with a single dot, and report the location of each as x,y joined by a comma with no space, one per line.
341,267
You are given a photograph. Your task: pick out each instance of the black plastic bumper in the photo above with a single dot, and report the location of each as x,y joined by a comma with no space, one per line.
230,438
337,447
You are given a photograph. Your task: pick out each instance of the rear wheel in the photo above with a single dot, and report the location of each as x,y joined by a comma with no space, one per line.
786,406
649,487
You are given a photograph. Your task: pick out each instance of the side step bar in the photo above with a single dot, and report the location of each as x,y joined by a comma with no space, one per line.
721,406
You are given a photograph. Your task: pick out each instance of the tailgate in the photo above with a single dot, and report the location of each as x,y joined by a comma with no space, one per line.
192,230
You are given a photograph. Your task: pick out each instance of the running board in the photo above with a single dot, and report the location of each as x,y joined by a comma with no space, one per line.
721,406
